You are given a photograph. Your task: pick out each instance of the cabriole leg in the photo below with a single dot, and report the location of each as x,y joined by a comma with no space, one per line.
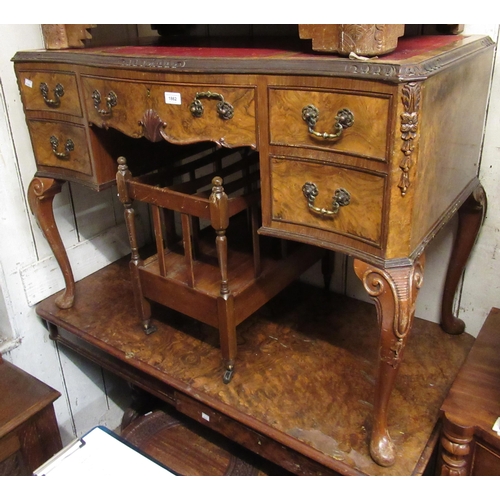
41,192
395,292
470,218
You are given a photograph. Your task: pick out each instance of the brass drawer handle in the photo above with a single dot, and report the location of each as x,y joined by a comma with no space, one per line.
111,102
224,109
344,119
341,198
58,93
68,147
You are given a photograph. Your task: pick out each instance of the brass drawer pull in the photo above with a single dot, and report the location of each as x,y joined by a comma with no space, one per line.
344,119
68,147
341,198
224,109
111,101
58,93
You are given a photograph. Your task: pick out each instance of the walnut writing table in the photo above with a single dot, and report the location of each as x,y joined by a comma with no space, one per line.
368,158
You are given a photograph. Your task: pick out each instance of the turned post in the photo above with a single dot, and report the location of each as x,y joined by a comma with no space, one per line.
142,305
219,218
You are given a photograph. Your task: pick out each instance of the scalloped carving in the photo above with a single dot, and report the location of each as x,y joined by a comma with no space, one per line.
153,126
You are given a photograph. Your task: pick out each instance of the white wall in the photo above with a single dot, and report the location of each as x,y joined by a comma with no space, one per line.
481,287
28,271
92,229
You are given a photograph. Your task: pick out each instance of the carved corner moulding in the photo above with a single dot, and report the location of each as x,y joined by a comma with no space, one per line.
409,131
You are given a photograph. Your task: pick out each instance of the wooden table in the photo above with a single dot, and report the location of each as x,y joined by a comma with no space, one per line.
29,434
303,394
469,445
369,158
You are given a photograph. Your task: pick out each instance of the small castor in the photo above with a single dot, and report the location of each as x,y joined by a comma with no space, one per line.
228,375
148,328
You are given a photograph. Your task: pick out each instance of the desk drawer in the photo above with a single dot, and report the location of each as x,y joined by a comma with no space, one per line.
165,111
50,91
58,144
366,137
359,213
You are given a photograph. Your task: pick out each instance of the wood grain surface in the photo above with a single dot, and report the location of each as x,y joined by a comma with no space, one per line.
68,103
306,369
367,137
190,449
361,218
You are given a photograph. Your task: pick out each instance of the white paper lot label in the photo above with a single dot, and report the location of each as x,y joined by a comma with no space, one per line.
173,98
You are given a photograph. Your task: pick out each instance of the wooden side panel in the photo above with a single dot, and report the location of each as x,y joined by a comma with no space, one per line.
181,298
453,106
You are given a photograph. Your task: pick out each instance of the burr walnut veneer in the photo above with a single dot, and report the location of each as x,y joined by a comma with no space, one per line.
368,158
302,393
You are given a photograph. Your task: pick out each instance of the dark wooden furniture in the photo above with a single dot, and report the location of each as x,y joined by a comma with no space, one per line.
369,158
469,445
302,395
190,449
29,434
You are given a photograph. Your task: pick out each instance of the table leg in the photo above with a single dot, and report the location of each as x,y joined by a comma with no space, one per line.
470,219
456,449
395,292
41,192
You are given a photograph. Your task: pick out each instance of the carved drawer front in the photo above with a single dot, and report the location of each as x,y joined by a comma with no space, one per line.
48,91
178,113
350,123
222,114
58,144
334,199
